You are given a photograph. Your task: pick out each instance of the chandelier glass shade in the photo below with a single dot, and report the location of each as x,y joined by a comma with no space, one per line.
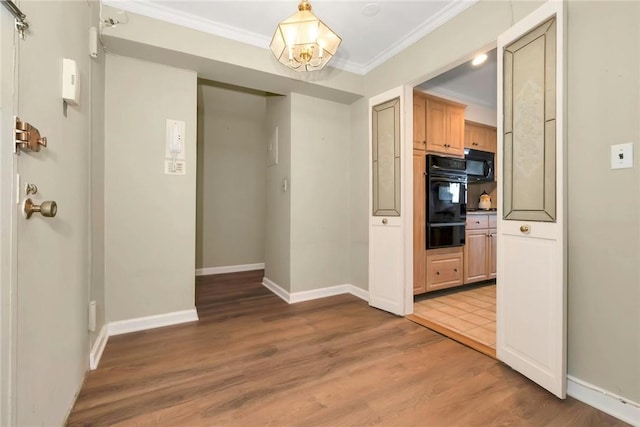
303,42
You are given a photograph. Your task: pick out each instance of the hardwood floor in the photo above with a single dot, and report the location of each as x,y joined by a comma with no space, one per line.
253,360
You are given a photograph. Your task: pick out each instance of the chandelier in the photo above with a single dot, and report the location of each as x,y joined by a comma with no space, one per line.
303,42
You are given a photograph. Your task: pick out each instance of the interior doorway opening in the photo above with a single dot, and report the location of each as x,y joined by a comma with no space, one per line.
455,239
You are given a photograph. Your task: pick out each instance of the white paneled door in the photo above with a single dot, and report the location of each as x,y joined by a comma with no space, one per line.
531,299
390,201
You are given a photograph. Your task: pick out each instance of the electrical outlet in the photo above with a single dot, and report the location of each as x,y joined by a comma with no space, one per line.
622,156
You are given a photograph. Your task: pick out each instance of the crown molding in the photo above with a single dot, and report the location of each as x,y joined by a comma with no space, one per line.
156,10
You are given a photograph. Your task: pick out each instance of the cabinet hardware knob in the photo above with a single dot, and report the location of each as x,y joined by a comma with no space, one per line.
524,228
384,221
477,222
455,269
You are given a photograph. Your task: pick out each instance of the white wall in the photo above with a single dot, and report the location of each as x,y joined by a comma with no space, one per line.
149,216
278,201
319,193
231,180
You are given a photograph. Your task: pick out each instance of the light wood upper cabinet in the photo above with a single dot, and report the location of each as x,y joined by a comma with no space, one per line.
419,117
439,123
479,137
419,222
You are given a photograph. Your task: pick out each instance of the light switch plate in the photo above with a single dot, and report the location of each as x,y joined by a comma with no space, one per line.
622,156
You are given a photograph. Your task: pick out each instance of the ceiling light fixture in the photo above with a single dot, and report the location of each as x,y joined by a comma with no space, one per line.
479,59
303,42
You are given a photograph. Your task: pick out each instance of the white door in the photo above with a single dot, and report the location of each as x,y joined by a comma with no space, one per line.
531,297
390,201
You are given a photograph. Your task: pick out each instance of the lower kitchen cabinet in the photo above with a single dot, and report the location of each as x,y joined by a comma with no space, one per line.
444,268
480,248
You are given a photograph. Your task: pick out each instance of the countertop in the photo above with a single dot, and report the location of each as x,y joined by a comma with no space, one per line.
482,212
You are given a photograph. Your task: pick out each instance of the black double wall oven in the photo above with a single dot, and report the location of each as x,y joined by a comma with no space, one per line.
446,201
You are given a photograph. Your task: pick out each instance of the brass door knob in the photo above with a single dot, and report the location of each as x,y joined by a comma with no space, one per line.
524,228
47,209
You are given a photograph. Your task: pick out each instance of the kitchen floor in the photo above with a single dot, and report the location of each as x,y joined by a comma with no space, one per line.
467,315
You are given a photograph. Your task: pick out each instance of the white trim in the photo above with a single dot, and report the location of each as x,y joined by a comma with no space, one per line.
167,14
292,298
614,405
273,287
229,269
98,347
151,322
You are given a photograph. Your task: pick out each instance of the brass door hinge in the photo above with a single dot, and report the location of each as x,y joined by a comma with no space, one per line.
27,137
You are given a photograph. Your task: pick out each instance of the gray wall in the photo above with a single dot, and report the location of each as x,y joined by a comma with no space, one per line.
604,204
51,350
96,286
232,172
278,201
359,195
149,216
319,193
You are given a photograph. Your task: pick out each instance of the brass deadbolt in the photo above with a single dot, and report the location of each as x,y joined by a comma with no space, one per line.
47,209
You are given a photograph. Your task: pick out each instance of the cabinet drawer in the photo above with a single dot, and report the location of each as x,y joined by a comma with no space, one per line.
493,221
475,222
444,270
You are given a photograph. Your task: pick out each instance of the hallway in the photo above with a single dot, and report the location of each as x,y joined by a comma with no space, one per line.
253,360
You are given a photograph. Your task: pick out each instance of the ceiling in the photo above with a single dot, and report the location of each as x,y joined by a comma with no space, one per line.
474,84
371,31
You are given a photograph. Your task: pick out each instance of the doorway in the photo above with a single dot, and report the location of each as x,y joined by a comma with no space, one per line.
455,116
231,179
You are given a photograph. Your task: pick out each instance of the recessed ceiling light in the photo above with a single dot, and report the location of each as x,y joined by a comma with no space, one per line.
479,59
371,9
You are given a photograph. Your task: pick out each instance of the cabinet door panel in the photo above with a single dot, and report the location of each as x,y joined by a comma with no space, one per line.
492,247
475,256
456,130
419,222
419,126
436,125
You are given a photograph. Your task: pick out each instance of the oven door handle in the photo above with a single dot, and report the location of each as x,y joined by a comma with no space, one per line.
447,179
445,224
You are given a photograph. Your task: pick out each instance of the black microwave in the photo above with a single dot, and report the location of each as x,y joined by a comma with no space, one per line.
480,165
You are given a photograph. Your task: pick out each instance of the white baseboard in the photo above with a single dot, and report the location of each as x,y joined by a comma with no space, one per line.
273,287
229,269
151,322
98,347
610,403
292,298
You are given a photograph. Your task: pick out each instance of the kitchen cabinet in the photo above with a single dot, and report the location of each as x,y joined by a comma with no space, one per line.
419,221
438,125
444,268
480,248
419,117
479,137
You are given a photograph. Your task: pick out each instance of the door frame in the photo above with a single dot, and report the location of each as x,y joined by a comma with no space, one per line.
9,182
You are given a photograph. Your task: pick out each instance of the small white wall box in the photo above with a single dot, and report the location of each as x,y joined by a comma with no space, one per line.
70,82
93,42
